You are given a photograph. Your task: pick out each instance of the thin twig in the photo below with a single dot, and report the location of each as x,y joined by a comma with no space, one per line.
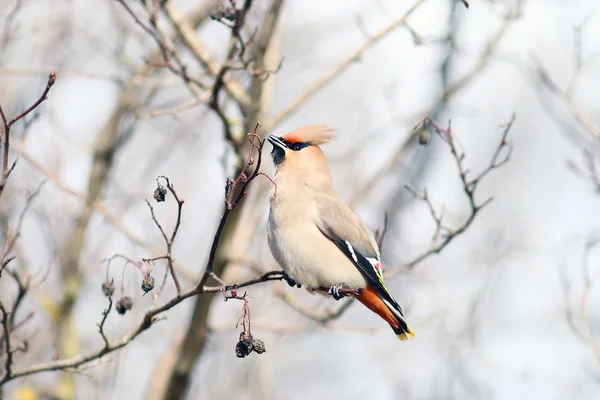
8,124
100,208
169,240
101,324
235,191
15,235
239,192
469,187
203,54
582,118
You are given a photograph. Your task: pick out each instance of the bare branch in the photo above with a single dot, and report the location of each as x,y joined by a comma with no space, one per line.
203,54
10,241
101,208
582,118
450,91
168,240
101,324
8,124
469,187
235,191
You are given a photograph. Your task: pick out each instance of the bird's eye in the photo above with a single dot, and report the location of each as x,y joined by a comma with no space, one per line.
297,146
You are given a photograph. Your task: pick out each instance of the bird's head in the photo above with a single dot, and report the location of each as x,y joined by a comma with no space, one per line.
301,146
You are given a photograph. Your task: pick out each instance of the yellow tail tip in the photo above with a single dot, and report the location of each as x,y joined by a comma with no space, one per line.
406,335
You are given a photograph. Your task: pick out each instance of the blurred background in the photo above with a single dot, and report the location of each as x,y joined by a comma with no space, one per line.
508,309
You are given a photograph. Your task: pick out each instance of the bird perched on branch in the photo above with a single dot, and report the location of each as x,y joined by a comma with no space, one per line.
315,237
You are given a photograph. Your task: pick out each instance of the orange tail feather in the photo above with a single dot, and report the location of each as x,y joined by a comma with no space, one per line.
373,302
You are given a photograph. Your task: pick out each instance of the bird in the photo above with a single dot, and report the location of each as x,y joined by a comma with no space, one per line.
318,241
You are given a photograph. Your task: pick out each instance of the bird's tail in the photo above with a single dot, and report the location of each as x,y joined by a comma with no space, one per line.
388,310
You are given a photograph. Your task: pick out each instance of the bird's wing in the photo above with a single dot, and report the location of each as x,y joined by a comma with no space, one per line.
340,225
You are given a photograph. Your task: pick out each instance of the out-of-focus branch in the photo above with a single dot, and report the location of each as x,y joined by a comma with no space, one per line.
116,78
175,110
591,173
582,118
105,148
484,59
203,54
321,83
236,47
8,23
11,237
450,91
168,51
101,208
584,330
259,54
321,316
7,346
8,124
583,307
469,185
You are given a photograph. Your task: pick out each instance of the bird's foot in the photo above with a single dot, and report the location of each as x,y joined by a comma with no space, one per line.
339,292
334,291
290,281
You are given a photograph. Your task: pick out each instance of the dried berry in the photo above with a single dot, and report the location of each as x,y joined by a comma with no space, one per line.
160,193
108,288
258,346
124,304
245,346
423,137
148,284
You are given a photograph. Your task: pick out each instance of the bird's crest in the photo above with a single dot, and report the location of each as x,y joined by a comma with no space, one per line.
313,134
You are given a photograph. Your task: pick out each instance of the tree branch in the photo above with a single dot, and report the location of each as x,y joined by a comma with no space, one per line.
469,187
203,54
8,124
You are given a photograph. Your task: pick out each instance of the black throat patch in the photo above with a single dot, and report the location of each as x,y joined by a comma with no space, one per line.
278,154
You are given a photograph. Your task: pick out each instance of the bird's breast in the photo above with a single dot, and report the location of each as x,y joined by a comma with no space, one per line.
302,250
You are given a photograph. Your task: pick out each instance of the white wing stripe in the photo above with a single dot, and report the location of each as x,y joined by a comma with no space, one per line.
351,251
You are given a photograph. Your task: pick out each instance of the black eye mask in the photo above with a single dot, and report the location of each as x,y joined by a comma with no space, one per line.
295,146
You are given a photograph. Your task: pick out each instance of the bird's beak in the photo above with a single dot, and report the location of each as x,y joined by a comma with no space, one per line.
276,142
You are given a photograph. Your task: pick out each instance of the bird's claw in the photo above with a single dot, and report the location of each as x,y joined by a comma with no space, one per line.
337,292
